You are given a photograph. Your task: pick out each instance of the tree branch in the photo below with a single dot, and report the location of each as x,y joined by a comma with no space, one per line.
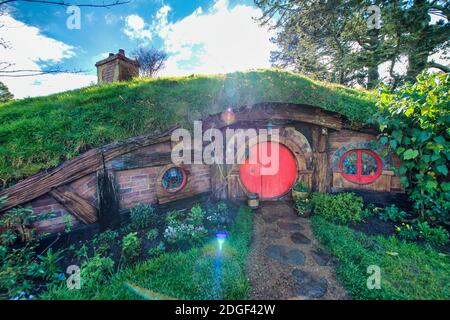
439,66
68,4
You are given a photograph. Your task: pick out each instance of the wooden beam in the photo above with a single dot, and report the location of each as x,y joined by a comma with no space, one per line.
280,111
87,163
75,204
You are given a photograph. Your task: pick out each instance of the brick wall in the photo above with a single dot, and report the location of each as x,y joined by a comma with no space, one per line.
87,188
137,186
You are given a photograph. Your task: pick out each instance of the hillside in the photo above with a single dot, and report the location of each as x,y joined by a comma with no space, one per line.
39,133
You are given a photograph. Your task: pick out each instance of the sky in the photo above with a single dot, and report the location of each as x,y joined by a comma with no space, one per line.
200,37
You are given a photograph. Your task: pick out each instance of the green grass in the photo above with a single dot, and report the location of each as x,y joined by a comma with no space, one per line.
182,275
39,133
408,270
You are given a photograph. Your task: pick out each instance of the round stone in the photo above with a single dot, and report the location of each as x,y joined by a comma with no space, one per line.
321,258
308,285
284,255
299,238
288,226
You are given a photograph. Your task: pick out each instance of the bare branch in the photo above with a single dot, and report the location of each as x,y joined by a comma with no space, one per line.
68,4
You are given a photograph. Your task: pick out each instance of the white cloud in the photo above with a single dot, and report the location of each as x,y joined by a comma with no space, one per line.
135,28
223,39
29,49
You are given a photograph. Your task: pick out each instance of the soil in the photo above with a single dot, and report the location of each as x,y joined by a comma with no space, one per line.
373,226
275,268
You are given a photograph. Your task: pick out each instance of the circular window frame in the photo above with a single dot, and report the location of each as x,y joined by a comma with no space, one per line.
183,183
359,178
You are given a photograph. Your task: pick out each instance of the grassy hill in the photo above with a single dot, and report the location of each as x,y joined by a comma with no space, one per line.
40,133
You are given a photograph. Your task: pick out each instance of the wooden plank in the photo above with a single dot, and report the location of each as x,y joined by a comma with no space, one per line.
280,111
87,163
75,204
219,181
139,160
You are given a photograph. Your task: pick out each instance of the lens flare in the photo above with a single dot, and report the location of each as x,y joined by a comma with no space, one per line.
221,237
228,116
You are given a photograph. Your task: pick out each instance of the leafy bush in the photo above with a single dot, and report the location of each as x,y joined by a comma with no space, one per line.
301,186
218,216
49,263
340,208
415,121
157,250
102,242
303,206
17,225
152,234
131,247
435,236
19,271
141,216
393,213
96,271
190,230
407,232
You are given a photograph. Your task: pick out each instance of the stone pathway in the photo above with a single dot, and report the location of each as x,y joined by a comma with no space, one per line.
286,261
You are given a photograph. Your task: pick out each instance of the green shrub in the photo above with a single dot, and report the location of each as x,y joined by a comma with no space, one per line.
95,271
142,216
157,250
340,208
407,232
131,247
393,213
414,122
218,217
152,234
190,230
102,242
18,269
301,186
437,236
49,263
303,206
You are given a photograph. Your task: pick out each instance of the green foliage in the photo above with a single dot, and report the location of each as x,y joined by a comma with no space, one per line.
436,236
17,224
189,230
183,275
20,272
415,122
408,270
68,223
82,252
131,247
393,214
301,186
39,133
5,94
94,273
340,208
303,206
141,216
103,242
218,216
407,232
157,250
152,234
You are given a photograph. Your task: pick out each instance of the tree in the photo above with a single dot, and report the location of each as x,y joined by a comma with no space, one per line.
331,40
151,60
5,95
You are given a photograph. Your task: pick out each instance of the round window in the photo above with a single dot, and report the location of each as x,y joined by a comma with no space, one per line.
360,166
173,179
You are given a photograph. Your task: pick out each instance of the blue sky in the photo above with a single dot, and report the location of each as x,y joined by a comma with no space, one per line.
200,36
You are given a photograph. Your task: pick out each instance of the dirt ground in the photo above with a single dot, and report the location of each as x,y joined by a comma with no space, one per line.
274,224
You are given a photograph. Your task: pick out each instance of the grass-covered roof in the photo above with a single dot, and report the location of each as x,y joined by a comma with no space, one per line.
40,133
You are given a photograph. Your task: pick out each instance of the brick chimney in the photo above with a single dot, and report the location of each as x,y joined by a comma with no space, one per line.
117,67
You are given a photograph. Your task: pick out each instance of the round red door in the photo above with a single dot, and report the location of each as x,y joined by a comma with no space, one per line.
268,185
